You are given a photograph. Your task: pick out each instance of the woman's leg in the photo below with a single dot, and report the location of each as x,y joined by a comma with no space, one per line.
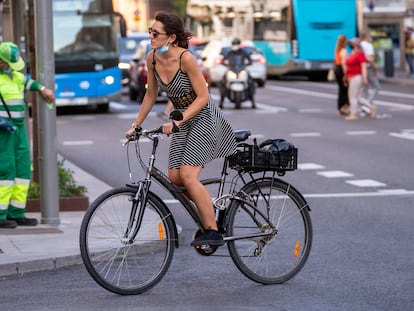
363,101
189,177
342,89
353,93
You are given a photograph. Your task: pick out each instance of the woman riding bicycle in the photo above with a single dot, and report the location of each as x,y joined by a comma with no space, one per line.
204,134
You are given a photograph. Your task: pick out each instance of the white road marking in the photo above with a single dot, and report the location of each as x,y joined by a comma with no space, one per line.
302,92
308,134
399,192
78,142
396,94
356,133
310,166
404,135
332,96
366,183
335,174
118,106
266,109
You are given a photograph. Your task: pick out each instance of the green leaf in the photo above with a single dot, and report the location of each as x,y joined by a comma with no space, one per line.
67,184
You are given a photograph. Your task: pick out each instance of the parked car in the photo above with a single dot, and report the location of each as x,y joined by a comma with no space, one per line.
212,57
127,47
138,72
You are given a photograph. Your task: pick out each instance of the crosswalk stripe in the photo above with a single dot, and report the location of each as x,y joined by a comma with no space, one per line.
334,174
366,183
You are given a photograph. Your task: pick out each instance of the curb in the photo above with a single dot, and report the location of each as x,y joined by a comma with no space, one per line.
20,268
396,80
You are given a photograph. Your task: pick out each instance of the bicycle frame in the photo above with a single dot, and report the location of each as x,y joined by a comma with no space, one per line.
178,193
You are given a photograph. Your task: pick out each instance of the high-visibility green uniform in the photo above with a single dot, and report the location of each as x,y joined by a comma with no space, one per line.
15,165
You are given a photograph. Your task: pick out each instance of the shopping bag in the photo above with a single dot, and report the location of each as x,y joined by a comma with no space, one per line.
331,75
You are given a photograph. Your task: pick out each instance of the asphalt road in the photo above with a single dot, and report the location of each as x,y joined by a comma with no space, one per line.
357,177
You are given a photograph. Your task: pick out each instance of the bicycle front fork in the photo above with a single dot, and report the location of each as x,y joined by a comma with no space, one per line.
137,212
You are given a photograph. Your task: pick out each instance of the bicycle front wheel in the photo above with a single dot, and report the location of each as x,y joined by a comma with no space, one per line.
123,265
280,214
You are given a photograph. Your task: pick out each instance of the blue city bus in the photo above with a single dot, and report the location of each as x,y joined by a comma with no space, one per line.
86,53
299,36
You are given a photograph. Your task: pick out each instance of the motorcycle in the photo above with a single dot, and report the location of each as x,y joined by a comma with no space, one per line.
237,87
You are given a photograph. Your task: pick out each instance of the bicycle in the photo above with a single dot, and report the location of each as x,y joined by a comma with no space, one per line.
128,234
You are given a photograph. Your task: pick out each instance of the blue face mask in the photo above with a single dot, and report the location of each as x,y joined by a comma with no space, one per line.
164,48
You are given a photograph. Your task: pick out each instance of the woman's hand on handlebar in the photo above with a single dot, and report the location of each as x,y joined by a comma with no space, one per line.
169,128
129,133
132,132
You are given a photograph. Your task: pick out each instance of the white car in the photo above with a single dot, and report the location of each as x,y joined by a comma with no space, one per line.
212,57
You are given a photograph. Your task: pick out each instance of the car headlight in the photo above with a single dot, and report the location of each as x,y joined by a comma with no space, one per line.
109,80
124,66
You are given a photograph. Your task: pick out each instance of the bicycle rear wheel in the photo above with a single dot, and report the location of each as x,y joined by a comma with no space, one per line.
279,211
117,264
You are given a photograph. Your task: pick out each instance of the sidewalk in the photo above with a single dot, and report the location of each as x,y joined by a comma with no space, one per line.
399,77
48,247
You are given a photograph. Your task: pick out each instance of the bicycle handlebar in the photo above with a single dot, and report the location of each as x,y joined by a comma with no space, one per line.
175,115
139,131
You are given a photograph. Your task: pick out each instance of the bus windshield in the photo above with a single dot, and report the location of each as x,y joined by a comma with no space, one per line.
83,31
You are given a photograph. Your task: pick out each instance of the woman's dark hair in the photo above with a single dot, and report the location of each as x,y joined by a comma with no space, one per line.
174,25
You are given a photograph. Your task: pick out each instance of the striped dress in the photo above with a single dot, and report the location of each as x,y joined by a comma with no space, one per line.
204,137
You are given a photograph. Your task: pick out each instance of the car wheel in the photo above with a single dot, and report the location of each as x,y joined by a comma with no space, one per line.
260,83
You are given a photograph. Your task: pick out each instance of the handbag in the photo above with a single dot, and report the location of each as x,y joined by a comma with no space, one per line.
331,75
5,123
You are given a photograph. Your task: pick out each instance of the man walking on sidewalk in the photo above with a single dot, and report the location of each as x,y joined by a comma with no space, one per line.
370,90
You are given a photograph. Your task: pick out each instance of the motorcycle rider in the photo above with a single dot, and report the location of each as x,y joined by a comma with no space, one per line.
237,57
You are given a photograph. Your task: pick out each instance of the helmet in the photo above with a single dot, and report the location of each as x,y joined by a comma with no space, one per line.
236,41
